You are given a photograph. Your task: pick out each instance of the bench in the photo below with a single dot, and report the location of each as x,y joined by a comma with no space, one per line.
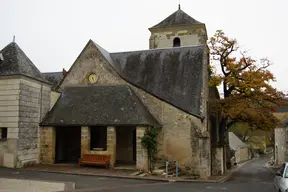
95,159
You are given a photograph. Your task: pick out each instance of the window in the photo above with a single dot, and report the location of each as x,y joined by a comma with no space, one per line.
98,138
282,168
176,42
3,133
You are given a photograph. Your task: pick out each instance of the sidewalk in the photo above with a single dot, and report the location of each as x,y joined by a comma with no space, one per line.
125,174
22,185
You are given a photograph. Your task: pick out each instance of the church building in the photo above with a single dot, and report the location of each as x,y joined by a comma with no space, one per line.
106,101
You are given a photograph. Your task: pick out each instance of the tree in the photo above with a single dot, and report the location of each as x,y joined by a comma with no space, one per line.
249,97
150,142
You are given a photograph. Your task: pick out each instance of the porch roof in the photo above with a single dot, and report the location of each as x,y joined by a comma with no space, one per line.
99,105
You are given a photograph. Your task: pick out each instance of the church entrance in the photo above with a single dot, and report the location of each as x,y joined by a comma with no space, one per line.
68,144
126,147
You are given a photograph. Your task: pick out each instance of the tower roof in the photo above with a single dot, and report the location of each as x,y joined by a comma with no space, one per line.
178,18
15,62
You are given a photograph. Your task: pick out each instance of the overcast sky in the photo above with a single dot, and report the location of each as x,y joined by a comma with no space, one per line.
53,32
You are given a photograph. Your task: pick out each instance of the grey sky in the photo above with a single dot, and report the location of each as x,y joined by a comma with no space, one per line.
53,32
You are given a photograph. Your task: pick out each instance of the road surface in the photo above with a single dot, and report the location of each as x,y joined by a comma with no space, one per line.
253,176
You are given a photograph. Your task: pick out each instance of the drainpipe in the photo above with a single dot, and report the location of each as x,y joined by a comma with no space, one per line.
41,103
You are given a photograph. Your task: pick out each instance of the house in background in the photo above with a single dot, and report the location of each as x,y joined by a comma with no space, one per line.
240,149
281,136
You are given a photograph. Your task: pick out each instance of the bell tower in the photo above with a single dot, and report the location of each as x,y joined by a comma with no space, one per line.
178,29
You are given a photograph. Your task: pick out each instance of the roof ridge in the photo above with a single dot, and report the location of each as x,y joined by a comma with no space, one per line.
17,53
177,18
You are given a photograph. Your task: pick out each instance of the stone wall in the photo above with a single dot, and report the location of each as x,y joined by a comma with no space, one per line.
281,138
141,152
47,146
189,36
34,104
111,144
85,140
54,96
180,130
9,118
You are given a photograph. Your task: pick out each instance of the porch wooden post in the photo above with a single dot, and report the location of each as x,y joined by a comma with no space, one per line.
141,152
111,144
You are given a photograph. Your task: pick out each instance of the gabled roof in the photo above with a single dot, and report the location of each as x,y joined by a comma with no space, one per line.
17,63
178,18
99,106
235,143
174,75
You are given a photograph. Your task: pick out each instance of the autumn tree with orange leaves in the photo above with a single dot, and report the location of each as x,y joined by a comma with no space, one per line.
245,82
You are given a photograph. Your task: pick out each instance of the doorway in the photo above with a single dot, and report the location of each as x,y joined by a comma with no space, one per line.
126,146
68,144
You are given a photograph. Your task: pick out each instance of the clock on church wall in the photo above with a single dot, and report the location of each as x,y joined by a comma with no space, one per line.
92,78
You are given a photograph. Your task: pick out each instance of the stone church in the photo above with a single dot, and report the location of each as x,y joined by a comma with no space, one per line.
106,101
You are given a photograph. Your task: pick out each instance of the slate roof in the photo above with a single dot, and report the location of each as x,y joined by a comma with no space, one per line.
282,109
98,105
53,77
178,18
17,63
285,122
173,75
235,143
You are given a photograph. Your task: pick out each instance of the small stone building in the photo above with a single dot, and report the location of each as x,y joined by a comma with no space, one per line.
239,148
24,101
108,100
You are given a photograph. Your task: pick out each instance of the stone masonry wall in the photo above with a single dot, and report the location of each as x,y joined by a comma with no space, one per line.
141,152
9,118
111,144
189,36
85,140
47,146
34,104
180,132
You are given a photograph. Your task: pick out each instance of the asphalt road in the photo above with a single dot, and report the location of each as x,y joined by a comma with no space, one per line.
253,176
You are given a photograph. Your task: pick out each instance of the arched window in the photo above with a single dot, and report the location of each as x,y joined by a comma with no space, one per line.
176,42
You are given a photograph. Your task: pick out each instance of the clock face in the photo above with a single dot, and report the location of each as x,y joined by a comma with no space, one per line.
92,78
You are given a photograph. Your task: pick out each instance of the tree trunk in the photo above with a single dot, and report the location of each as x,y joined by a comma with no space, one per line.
222,130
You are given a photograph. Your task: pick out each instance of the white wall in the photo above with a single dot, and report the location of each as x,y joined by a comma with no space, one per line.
9,118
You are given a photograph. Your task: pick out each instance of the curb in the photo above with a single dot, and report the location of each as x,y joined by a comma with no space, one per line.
221,180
